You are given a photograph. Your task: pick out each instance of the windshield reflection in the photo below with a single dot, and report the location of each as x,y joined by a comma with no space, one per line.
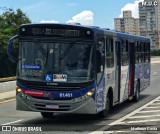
54,61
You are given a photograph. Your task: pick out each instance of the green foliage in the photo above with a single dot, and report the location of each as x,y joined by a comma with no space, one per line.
10,21
155,52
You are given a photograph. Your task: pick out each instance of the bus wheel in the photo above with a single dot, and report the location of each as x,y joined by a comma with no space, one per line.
105,112
47,114
137,95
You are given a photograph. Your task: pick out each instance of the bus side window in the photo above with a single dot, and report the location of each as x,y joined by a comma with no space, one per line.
124,53
142,51
126,45
147,52
139,52
109,53
136,52
100,54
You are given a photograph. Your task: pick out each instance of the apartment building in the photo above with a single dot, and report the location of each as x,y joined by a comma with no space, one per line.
149,21
127,23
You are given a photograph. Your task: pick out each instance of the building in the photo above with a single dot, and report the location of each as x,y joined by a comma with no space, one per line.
149,21
127,23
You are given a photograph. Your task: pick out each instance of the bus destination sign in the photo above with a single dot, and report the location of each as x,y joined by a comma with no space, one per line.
55,32
52,32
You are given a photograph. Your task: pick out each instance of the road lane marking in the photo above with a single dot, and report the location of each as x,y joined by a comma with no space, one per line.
145,116
157,100
134,112
120,121
7,101
154,104
151,107
149,111
12,122
140,121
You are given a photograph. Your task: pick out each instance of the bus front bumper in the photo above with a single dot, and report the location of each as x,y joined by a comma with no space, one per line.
87,106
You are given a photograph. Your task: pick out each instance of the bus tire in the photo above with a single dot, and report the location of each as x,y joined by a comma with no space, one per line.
47,114
105,112
137,95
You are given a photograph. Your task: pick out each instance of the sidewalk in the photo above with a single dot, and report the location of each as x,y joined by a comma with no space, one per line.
155,60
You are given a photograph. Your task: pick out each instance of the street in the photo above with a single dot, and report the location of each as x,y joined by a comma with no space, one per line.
140,117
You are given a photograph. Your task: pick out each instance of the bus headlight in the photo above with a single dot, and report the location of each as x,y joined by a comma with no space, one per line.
18,90
84,97
90,92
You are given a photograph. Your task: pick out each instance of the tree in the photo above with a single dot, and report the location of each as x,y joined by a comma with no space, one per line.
10,21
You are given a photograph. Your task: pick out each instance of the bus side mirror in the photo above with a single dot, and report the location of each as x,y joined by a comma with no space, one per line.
10,47
100,61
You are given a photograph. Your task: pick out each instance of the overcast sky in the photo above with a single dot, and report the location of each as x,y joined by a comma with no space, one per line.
87,12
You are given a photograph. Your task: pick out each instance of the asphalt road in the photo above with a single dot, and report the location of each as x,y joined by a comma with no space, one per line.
72,123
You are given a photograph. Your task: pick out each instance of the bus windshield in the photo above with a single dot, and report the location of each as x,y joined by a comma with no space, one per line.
56,61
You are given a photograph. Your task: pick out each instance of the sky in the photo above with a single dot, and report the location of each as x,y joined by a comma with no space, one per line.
87,12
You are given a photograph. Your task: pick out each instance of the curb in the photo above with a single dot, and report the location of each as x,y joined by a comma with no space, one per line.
7,95
7,79
7,86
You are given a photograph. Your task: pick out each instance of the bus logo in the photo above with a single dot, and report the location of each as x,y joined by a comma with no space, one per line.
60,77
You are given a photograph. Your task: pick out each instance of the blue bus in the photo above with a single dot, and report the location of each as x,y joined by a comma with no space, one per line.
67,68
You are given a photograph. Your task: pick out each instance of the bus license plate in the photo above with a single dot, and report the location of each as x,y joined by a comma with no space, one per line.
52,106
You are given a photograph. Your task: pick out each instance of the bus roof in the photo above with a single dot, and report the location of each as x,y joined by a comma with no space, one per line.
94,28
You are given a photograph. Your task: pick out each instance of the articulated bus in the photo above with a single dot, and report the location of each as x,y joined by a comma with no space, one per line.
67,68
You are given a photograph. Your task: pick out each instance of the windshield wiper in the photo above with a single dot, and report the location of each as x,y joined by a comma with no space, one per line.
67,51
40,48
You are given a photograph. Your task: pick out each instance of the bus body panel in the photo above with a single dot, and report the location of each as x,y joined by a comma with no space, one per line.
101,96
142,72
